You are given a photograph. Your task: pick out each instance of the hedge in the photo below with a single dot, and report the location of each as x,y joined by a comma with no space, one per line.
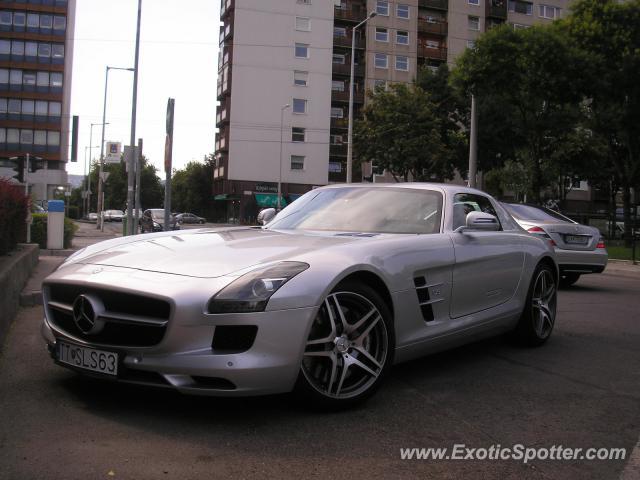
39,230
14,207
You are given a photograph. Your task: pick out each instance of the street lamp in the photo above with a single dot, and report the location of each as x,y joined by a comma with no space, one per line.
353,67
26,187
100,222
284,107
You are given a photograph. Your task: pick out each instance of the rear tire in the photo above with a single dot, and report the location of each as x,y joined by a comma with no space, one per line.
568,279
539,315
349,349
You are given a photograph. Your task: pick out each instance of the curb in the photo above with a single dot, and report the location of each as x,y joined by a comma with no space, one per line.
57,253
30,299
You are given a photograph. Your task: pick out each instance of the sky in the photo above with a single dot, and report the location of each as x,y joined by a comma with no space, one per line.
178,59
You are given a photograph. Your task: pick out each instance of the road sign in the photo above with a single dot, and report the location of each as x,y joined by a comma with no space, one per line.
105,175
114,152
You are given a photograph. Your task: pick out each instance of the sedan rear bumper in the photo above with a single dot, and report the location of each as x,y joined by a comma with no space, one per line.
573,261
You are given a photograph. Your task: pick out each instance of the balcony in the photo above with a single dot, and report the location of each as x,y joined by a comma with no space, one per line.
496,9
437,4
338,150
225,7
224,82
345,69
433,53
222,141
339,122
226,32
350,14
338,96
346,42
223,114
436,28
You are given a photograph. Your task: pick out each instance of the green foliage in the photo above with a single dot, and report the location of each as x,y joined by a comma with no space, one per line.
401,132
191,188
14,207
39,230
73,212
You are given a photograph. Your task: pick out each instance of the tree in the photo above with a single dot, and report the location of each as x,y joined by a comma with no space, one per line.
191,188
607,32
401,132
528,90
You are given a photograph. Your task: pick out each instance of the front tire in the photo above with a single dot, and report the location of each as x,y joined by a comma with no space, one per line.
539,315
349,349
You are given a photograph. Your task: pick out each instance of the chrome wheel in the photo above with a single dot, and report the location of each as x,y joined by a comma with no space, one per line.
347,348
543,303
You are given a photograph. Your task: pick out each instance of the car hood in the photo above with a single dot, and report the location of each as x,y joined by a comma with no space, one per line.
206,253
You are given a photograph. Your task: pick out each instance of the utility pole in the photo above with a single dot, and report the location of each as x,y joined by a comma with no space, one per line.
132,142
136,216
26,192
473,144
284,107
168,157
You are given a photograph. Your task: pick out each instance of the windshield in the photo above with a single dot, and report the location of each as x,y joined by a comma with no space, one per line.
362,209
159,214
530,212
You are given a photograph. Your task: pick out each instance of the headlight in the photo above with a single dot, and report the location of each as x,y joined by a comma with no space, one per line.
252,291
156,224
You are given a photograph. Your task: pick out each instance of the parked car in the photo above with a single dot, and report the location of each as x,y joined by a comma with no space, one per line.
92,217
152,220
189,218
113,215
579,249
340,285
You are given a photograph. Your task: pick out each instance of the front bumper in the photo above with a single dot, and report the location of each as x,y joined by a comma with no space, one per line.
576,261
185,359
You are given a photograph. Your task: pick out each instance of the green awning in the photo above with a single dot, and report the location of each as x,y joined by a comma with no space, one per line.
294,196
269,200
220,197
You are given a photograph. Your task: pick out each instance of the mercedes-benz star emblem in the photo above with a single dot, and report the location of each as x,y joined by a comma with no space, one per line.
87,310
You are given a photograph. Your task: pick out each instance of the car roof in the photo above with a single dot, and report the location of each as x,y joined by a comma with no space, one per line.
442,187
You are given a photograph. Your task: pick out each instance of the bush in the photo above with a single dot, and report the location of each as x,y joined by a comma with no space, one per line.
39,230
73,212
14,207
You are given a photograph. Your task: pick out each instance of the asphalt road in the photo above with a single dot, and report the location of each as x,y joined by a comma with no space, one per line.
582,389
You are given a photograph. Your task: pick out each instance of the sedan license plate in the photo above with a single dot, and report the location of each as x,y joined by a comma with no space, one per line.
88,358
576,239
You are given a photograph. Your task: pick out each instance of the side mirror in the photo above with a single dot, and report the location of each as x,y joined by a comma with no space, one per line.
266,215
480,221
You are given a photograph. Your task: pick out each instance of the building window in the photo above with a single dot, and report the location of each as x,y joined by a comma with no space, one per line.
335,167
5,18
44,50
402,11
55,109
433,44
518,6
297,134
57,51
339,58
299,105
382,8
59,23
303,24
402,37
382,60
547,11
339,32
474,23
56,80
304,2
402,63
337,86
46,22
53,139
382,34
336,140
20,20
378,83
519,26
33,21
474,2
337,112
297,162
300,78
42,108
471,43
302,50
26,137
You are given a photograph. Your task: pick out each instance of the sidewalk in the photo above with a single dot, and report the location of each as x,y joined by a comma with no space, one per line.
622,268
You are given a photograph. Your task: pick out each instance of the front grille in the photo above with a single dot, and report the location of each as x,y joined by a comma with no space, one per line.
233,338
130,320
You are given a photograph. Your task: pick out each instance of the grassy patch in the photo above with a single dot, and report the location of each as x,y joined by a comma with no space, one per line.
622,253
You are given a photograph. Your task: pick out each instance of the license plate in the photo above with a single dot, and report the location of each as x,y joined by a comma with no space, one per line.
88,358
576,239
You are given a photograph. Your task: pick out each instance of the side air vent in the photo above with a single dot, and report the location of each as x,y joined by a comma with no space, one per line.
424,298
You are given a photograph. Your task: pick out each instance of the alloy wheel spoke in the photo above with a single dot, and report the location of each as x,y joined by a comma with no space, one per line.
329,338
334,372
362,321
354,361
360,339
369,357
343,320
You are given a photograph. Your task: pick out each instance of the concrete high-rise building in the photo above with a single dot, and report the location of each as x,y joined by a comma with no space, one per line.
284,72
36,54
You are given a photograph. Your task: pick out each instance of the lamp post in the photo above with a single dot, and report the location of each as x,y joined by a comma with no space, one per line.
100,222
473,144
353,67
284,107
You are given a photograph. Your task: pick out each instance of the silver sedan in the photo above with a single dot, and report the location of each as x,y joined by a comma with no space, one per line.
340,285
579,249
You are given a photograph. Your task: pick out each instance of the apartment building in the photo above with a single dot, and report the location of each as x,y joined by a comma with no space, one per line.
36,53
284,71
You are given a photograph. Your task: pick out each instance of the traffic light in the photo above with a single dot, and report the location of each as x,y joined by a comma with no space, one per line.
17,165
35,165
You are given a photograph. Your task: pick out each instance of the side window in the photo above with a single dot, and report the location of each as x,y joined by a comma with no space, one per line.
464,203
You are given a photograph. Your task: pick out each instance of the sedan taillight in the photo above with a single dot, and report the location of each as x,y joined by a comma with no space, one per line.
541,233
601,243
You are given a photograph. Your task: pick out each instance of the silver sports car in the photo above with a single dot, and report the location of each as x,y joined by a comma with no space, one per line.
341,284
579,248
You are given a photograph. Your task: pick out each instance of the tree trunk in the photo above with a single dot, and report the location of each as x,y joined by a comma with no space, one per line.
628,226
